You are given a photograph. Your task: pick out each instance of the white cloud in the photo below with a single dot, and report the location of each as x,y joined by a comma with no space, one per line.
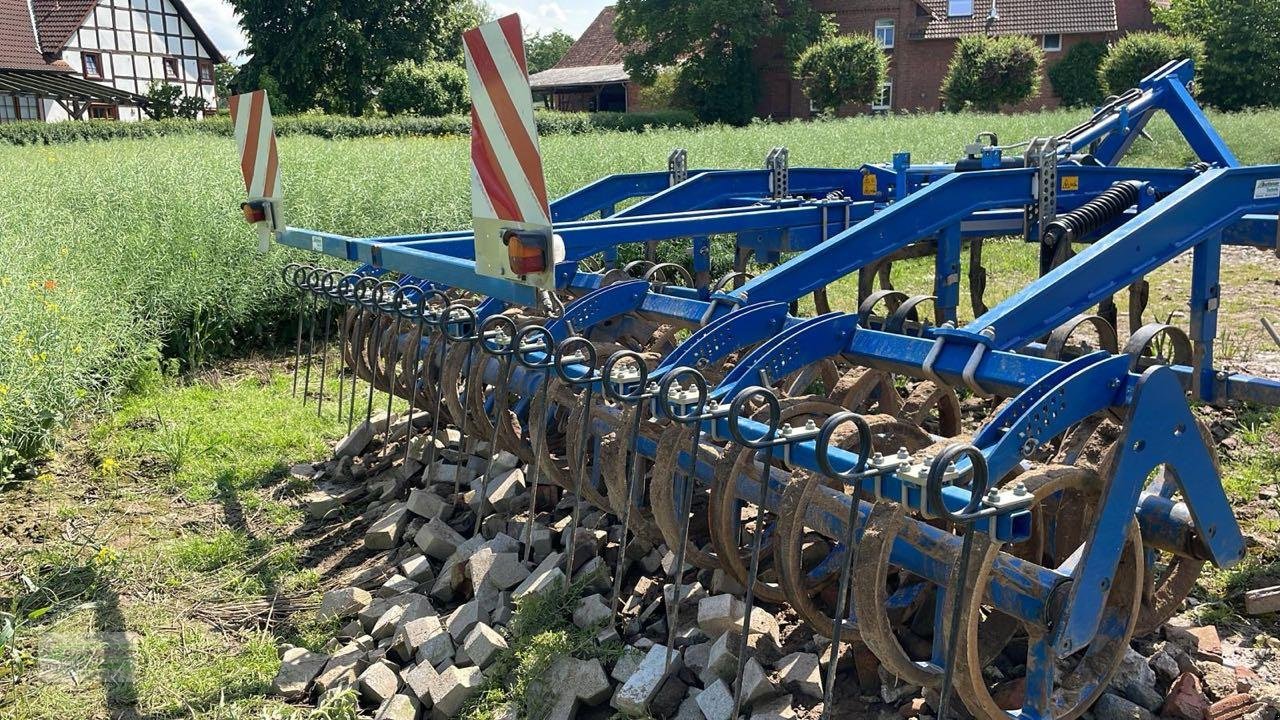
219,21
552,12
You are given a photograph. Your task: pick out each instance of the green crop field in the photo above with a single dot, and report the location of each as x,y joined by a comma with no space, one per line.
128,257
170,520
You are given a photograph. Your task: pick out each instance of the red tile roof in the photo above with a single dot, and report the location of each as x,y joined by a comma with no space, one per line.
597,46
1021,17
58,20
18,47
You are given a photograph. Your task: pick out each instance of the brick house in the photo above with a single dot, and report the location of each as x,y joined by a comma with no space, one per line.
590,76
78,59
918,35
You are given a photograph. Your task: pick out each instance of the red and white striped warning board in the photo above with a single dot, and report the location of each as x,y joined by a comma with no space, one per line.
508,191
259,158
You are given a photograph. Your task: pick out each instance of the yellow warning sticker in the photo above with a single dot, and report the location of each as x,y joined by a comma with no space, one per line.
869,184
1070,182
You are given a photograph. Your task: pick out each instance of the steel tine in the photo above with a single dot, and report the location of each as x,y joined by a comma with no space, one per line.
327,285
342,340
615,386
966,518
674,401
398,312
507,333
583,351
415,372
766,442
313,285
468,322
854,477
541,401
357,334
292,273
437,410
379,304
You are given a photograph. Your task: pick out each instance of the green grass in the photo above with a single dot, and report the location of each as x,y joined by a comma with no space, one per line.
129,256
125,538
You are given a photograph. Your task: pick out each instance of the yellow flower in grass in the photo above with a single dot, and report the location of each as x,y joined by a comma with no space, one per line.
51,307
106,556
38,357
4,389
109,466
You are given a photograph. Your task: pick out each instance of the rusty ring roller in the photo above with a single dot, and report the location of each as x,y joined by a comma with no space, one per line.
1141,340
666,267
1057,341
892,299
907,311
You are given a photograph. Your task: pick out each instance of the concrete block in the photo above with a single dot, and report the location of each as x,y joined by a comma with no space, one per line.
298,667
425,503
465,617
384,533
343,603
640,689
592,611
716,701
437,539
483,644
398,707
378,683
452,689
799,672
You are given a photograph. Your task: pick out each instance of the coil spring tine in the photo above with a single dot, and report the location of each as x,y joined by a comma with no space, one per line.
522,357
290,276
327,284
369,284
313,285
379,293
500,400
617,391
397,312
466,443
587,380
823,447
415,372
965,518
697,384
429,474
766,442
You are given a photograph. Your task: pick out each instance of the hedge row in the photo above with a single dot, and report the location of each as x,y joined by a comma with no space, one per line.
334,127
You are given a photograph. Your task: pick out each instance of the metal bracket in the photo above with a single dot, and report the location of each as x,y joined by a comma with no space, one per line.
779,173
677,166
1042,156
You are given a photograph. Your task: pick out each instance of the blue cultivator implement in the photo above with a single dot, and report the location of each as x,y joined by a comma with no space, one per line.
824,461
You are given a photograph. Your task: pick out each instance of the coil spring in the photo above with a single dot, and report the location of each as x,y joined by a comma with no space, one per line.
1093,214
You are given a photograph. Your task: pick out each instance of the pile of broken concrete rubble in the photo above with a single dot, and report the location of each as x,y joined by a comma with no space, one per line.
423,631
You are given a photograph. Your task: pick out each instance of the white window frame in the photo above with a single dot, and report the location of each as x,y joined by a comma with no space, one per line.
885,94
1044,42
883,27
956,8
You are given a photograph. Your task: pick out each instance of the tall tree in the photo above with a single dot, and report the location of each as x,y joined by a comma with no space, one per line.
712,41
544,50
1241,48
333,54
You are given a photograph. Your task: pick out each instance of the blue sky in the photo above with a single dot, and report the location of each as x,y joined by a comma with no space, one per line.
572,16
